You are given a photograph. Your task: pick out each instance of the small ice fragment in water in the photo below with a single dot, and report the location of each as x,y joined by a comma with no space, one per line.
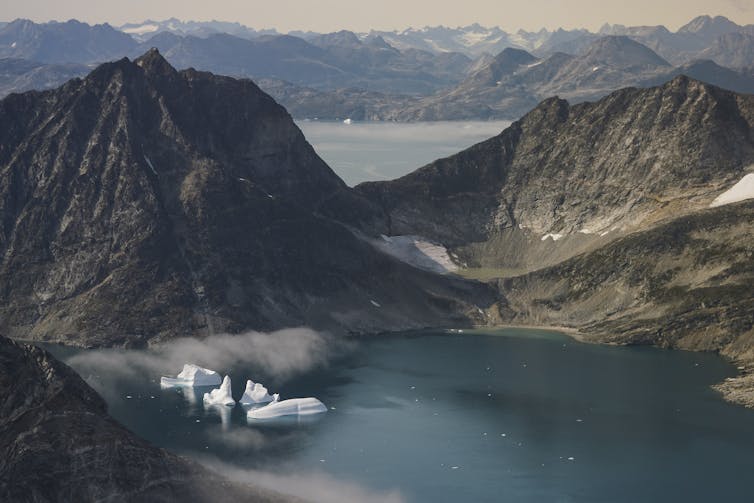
454,467
129,397
571,458
375,303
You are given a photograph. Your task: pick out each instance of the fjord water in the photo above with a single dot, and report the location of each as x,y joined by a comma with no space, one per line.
506,415
369,151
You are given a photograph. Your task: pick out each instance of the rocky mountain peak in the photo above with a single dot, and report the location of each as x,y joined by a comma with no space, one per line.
709,26
621,51
152,62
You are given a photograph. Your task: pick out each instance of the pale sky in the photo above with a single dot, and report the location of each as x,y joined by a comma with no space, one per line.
357,15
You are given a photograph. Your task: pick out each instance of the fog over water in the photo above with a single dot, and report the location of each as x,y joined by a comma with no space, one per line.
368,151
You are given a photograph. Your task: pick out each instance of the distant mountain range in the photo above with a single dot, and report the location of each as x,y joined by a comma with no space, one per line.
426,74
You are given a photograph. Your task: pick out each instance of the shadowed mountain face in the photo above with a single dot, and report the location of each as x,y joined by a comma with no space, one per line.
143,202
57,443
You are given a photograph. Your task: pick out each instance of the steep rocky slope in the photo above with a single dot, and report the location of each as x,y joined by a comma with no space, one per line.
567,178
57,443
142,202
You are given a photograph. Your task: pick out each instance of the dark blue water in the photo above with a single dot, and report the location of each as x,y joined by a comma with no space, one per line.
514,415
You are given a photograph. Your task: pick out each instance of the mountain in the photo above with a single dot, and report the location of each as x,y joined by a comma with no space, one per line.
146,29
599,217
709,28
69,42
327,62
734,50
142,203
18,75
515,81
565,178
57,443
473,40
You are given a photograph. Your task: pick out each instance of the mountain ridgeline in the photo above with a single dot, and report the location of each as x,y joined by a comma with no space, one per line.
142,202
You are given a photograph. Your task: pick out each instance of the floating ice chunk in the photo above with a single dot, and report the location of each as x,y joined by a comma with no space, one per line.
347,121
221,395
192,375
255,393
741,191
375,303
292,407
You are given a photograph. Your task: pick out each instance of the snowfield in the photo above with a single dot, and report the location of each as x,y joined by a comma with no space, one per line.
741,191
418,252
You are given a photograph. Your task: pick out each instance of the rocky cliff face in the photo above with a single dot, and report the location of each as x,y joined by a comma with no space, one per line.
142,202
567,178
57,443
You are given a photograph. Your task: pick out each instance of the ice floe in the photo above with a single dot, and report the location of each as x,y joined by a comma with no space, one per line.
221,395
292,407
741,191
192,375
256,393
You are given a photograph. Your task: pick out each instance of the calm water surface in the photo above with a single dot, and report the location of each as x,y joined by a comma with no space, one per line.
366,151
509,415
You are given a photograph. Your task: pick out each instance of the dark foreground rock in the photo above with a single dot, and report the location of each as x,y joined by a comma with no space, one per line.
57,443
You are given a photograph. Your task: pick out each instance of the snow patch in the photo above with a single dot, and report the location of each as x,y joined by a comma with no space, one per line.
741,191
221,395
292,407
553,236
535,64
151,166
142,30
595,68
13,45
256,393
418,252
192,375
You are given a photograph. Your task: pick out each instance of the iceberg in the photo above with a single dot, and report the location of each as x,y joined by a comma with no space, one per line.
192,375
256,393
221,395
292,407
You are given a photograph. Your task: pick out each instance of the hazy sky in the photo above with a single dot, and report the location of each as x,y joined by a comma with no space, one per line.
330,15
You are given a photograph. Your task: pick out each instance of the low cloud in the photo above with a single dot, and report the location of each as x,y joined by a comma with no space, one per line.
317,487
277,355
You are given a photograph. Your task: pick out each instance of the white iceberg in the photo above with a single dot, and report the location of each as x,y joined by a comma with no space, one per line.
256,393
347,121
221,395
292,407
192,375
